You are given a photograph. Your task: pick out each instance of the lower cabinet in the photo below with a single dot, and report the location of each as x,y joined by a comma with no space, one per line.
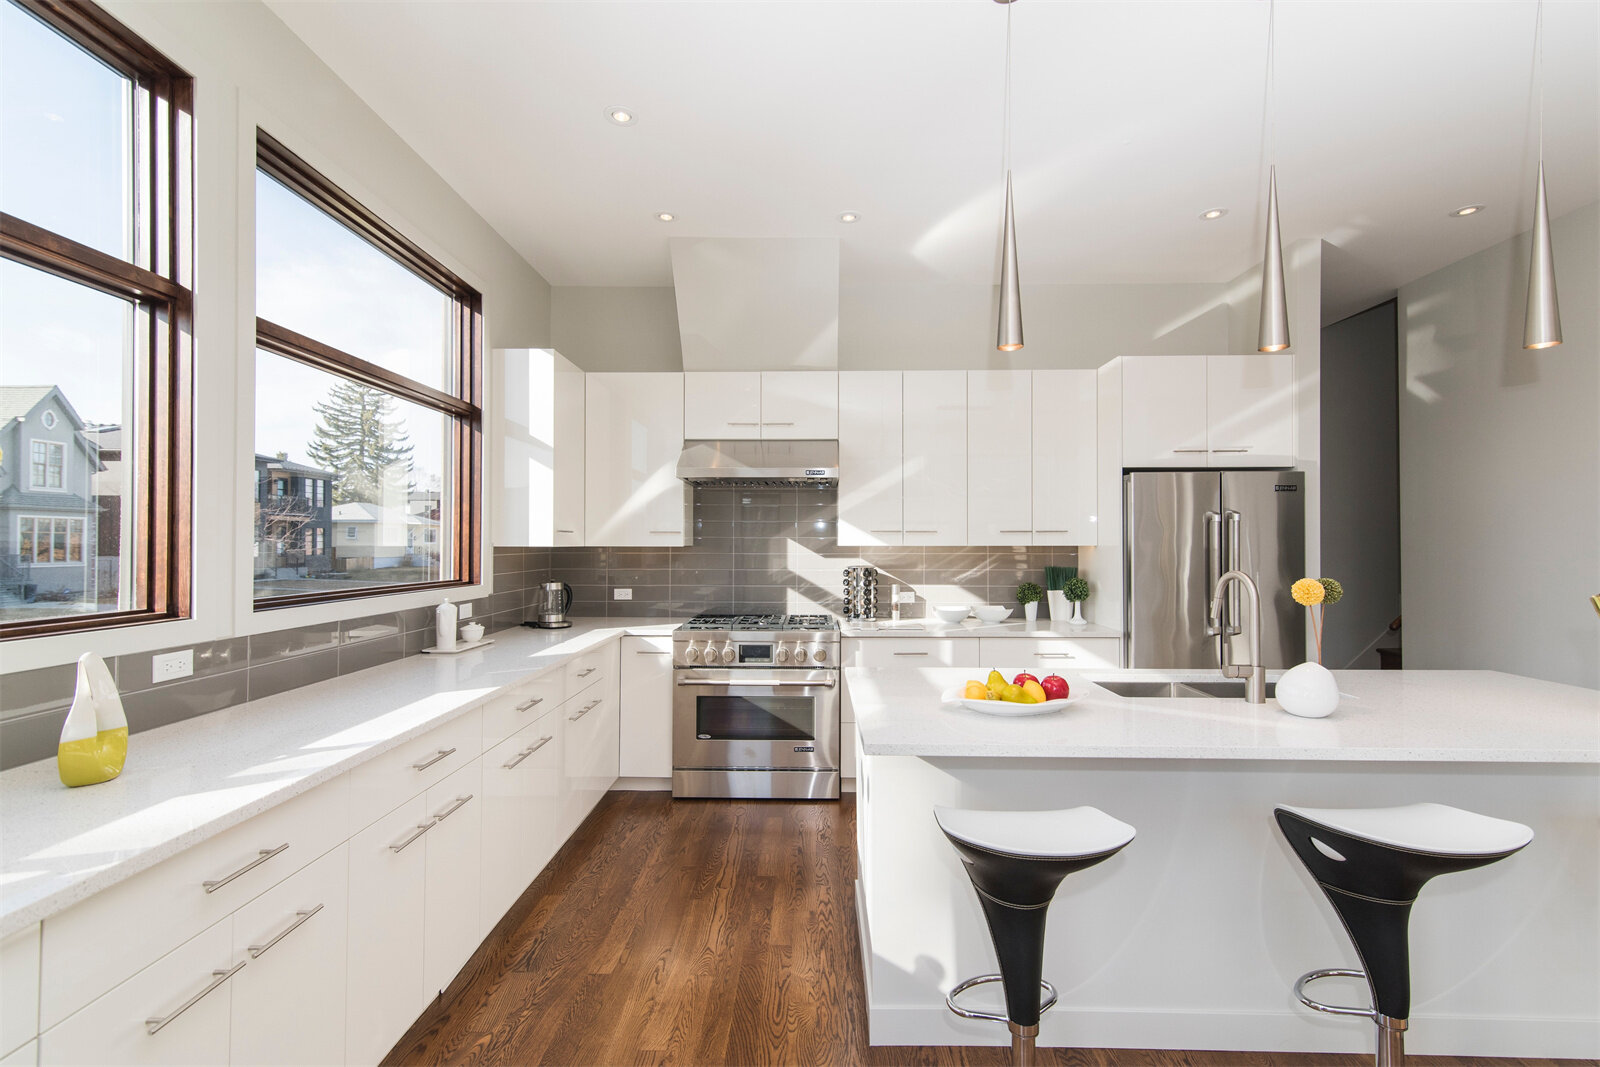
590,755
646,708
521,809
384,982
911,652
1076,654
452,902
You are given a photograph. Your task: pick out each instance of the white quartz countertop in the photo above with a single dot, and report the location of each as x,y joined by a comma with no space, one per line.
933,627
1420,716
187,782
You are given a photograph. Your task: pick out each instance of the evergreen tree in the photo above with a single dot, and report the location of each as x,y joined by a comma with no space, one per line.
358,438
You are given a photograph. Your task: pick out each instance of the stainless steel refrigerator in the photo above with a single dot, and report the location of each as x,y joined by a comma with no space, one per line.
1181,531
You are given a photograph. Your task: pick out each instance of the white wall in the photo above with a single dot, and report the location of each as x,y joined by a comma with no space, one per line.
617,328
249,70
1500,465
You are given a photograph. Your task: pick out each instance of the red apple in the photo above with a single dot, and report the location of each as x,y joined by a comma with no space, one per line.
1055,687
1023,677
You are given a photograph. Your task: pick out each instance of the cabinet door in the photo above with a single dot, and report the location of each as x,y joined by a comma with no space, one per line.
912,652
1164,411
19,988
1052,653
452,902
799,405
383,983
869,458
999,457
516,834
633,429
721,405
1250,410
585,716
646,708
1065,451
934,446
288,1004
567,508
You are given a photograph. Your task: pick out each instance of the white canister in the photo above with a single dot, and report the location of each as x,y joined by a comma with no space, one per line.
444,621
1308,690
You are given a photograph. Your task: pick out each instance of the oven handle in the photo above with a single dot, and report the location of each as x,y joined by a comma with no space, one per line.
815,683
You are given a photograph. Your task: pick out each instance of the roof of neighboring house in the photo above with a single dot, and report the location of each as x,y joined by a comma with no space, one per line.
290,467
363,512
18,401
18,499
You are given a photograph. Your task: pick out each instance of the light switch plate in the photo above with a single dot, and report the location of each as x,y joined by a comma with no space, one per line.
622,594
465,612
170,666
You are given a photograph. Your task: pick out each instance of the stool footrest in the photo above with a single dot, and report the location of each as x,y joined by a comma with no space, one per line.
985,979
1331,1009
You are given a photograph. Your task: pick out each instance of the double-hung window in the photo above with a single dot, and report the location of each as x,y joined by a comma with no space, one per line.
368,373
95,364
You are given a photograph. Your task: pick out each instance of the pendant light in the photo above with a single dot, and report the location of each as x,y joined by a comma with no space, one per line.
1542,326
1008,332
1273,335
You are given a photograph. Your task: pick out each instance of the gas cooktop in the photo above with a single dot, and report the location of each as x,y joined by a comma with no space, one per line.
750,623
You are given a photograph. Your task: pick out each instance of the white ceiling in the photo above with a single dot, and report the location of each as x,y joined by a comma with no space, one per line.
768,119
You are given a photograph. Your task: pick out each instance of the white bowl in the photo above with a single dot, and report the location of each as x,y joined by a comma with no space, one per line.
992,612
952,612
472,632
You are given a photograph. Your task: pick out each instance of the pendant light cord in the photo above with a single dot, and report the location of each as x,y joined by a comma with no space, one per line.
1272,82
1005,122
1538,60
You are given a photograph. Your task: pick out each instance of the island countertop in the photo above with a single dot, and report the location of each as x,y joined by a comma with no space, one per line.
1383,716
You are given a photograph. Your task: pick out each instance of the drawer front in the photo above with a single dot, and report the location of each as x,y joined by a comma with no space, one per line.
19,989
259,854
1089,653
188,990
379,786
518,705
913,652
587,669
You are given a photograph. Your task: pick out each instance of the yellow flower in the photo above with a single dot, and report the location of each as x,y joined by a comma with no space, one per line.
1307,591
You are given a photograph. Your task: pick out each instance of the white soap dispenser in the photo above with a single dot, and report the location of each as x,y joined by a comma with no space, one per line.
444,619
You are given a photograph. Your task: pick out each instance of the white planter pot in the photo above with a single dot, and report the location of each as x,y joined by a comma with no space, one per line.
1076,618
1308,690
1059,610
1030,611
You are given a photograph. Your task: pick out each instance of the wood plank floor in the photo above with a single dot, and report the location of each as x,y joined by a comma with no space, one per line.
708,933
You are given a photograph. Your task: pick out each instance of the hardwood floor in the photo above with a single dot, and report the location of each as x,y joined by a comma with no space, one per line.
708,933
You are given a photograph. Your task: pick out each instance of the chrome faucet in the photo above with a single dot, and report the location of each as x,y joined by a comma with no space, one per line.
1254,672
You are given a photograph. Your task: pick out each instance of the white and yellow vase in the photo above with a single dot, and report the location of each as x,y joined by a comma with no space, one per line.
94,741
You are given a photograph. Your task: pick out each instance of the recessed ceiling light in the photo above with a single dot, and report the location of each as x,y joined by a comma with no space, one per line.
849,216
1463,212
1213,213
622,116
666,216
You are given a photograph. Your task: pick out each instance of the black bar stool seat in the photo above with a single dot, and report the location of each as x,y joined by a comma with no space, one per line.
1371,863
1015,860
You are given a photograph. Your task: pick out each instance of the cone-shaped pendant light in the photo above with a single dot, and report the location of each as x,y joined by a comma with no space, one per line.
1274,331
1542,326
1009,334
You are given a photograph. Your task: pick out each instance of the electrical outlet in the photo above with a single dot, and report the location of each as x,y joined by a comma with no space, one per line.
622,594
170,666
908,596
465,612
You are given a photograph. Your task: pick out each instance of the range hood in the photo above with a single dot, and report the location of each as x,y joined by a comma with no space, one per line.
750,464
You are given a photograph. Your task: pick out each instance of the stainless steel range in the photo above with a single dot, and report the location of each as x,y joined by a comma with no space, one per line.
755,707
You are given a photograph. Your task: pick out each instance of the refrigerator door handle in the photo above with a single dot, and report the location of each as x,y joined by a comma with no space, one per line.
1214,569
1234,563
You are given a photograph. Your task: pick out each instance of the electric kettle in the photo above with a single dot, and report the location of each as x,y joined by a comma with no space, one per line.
550,606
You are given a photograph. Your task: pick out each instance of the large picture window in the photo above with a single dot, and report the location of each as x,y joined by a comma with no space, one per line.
95,364
368,417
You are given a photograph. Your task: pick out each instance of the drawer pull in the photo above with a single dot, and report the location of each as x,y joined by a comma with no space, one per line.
1188,450
911,653
300,918
524,754
675,533
217,883
895,530
153,1026
532,703
422,828
460,803
1230,449
732,423
566,531
777,424
1055,655
652,652
1052,531
586,709
585,674
425,764
1028,531
922,531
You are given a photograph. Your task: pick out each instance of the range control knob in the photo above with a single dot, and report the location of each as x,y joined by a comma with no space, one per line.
799,655
691,654
782,655
820,655
727,653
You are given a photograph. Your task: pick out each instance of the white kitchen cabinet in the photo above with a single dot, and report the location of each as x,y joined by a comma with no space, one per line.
911,652
800,405
1250,410
633,433
999,457
452,901
19,988
869,458
25,1056
288,1003
1065,456
1052,653
934,450
645,708
520,811
541,498
722,405
1164,411
384,983
591,753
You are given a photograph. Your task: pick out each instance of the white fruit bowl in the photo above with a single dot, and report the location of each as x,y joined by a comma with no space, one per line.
952,612
992,612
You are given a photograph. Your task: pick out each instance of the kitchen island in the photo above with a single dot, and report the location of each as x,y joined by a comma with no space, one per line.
1193,936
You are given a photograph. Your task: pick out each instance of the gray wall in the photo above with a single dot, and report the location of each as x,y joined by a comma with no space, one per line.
1500,464
622,328
1361,484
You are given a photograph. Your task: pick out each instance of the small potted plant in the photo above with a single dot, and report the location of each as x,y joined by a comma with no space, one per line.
1076,590
1029,595
1309,690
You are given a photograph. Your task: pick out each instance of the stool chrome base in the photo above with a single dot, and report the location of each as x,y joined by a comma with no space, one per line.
1023,1038
1391,1051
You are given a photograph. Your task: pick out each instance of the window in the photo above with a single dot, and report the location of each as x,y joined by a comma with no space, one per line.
368,368
95,306
322,544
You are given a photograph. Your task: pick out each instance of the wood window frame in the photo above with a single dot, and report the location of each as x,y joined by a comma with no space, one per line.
158,280
463,408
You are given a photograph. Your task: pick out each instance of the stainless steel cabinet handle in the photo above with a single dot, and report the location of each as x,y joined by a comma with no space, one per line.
732,423
585,674
566,531
1052,531
1233,562
911,653
586,709
824,683
1029,531
678,532
460,803
531,703
1213,565
1202,450
895,530
518,758
300,918
425,764
1055,655
543,741
422,828
153,1026
261,857
922,531
764,423
652,652
1230,449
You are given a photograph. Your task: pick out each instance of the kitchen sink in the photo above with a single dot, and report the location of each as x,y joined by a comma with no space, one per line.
1220,689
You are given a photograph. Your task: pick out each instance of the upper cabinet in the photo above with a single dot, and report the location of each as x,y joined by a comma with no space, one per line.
933,437
542,444
1065,451
1208,411
633,433
1000,458
776,405
869,458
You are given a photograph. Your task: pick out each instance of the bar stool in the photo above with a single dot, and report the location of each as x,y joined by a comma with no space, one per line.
1371,863
1016,859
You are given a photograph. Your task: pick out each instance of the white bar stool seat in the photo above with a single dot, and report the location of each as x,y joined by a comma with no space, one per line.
1068,833
1435,828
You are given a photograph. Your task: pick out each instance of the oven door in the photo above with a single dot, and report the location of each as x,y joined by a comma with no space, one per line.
751,719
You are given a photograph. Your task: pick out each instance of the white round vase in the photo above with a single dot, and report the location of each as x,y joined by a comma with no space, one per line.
1308,690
